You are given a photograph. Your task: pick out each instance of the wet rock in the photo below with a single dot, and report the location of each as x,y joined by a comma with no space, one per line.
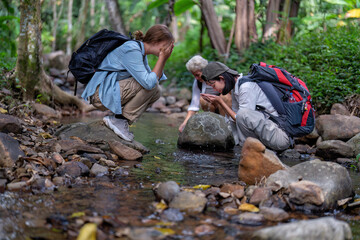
259,195
275,201
144,234
187,201
308,139
170,100
97,170
45,111
304,149
340,109
120,172
290,154
207,131
10,124
257,162
274,214
230,188
73,169
96,131
333,149
172,215
9,150
124,152
56,157
74,146
249,218
204,229
303,192
58,181
345,161
2,185
322,228
15,186
337,127
332,178
167,190
107,162
354,142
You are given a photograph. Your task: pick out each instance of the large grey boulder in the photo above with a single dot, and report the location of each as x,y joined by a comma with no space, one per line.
333,179
9,150
96,131
319,229
332,149
337,127
207,131
354,142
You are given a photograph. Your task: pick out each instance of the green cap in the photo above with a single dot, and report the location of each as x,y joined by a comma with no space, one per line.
214,69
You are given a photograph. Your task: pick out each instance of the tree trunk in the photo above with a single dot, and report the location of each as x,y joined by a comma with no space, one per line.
102,15
170,14
215,32
92,14
294,11
29,68
272,20
174,28
83,18
284,35
69,33
114,15
245,30
56,16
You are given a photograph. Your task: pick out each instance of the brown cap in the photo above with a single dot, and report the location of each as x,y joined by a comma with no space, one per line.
214,69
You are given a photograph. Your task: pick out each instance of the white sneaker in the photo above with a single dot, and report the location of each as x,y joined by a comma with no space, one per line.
120,127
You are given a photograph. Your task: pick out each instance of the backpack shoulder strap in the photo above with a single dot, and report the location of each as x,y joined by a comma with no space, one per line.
272,95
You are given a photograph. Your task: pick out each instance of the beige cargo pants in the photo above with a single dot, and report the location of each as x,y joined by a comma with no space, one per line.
134,99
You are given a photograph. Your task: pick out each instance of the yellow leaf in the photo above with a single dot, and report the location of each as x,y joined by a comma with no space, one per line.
87,232
161,205
77,214
3,110
353,13
341,24
202,187
166,231
45,135
248,207
165,224
157,157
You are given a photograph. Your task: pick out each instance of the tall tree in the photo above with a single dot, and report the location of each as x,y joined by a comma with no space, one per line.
115,16
29,70
294,11
245,30
92,14
272,19
69,32
283,34
169,17
215,31
83,17
56,17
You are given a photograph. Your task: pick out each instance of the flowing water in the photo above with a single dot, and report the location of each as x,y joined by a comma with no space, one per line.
52,215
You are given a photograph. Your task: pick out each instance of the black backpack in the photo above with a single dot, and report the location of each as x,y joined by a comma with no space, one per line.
289,96
84,61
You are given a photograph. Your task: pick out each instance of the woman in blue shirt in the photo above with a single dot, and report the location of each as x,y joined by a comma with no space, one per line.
126,85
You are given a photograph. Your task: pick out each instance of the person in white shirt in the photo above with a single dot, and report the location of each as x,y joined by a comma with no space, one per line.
247,97
195,65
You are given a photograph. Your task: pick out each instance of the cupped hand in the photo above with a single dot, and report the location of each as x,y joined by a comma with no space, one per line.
167,50
210,98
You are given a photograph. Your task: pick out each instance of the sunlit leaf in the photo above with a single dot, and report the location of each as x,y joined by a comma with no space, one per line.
87,232
3,110
337,2
77,214
247,207
341,24
45,135
202,187
353,13
157,157
182,6
166,231
161,205
156,3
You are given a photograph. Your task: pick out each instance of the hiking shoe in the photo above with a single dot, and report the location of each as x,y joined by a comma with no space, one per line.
120,127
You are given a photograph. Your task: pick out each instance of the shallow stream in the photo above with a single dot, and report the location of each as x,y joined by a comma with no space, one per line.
28,215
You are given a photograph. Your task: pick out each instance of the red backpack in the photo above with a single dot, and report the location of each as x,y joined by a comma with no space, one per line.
289,96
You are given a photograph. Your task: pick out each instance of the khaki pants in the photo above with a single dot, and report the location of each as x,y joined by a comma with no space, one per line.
209,107
134,99
252,123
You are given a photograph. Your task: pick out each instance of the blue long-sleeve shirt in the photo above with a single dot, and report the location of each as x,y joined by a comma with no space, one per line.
129,57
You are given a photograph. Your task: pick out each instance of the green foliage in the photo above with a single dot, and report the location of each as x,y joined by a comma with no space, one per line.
329,62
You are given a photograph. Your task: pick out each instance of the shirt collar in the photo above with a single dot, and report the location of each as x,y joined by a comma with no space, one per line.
236,89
